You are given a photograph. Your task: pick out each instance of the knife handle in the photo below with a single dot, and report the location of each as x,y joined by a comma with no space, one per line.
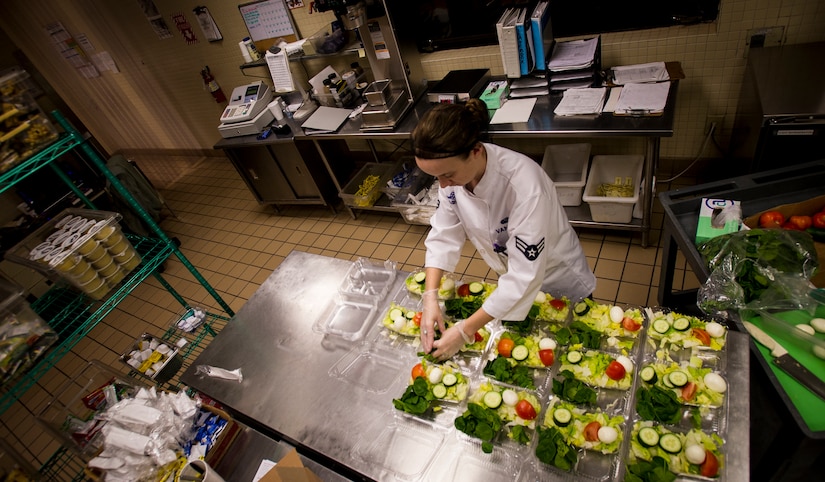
801,374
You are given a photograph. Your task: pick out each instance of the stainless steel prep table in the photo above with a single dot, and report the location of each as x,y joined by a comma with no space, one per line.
287,391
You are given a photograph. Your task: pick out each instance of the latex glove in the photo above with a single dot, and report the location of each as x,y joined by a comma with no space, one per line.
451,342
430,316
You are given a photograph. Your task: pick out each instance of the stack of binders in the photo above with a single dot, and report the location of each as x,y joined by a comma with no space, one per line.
574,64
524,39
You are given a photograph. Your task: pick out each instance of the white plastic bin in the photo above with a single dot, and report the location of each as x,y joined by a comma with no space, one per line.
566,164
606,170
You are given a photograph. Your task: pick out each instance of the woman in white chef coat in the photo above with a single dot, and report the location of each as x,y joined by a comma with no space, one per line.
507,206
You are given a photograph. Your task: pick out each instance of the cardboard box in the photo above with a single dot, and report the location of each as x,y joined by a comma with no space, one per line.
290,469
808,208
708,226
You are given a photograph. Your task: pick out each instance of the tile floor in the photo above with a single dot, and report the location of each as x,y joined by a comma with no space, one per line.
236,243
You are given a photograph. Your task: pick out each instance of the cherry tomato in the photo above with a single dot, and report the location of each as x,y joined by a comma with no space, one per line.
630,324
771,219
710,467
417,318
525,410
688,391
818,220
801,222
463,290
478,337
546,357
418,371
505,347
558,304
591,431
615,370
702,336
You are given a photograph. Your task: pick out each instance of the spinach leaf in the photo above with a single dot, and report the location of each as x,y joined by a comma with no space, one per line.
658,404
461,308
504,371
520,435
572,390
553,450
480,422
654,471
524,326
416,398
579,332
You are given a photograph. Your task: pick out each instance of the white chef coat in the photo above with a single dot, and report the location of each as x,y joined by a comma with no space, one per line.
516,222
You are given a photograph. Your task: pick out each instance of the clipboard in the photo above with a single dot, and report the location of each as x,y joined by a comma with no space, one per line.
267,21
643,100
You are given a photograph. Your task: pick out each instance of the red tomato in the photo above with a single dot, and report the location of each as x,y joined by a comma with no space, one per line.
417,318
710,467
463,290
771,219
546,357
558,304
688,391
418,371
630,324
818,220
702,336
591,431
525,410
801,222
615,370
505,347
478,337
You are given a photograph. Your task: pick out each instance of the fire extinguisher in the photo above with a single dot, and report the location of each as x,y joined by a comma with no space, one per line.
212,84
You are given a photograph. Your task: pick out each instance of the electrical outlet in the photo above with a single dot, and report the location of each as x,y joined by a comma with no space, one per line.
717,119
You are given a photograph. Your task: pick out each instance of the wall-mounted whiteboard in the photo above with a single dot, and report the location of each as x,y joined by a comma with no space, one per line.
266,21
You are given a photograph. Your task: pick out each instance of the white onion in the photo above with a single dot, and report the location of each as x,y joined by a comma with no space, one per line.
435,375
608,434
540,298
626,363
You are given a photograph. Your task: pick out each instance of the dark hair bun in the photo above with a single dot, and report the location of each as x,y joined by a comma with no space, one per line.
479,109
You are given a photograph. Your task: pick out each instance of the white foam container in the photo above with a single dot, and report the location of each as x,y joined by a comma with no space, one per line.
566,164
604,170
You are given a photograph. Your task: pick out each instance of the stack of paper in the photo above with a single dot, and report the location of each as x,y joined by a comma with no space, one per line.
528,87
581,102
651,72
573,55
643,99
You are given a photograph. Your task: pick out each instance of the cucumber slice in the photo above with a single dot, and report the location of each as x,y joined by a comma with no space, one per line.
492,399
648,437
661,326
678,378
410,314
574,357
648,374
520,353
666,382
420,277
395,313
581,308
562,417
670,443
439,391
681,324
449,379
476,288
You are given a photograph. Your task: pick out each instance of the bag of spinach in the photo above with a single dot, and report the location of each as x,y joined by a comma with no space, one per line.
745,264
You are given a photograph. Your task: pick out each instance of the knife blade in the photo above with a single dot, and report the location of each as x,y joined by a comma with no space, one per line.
786,362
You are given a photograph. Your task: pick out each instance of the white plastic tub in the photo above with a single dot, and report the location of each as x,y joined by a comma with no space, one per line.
607,170
566,164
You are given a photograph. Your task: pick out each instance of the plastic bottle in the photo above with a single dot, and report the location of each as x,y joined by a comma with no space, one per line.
330,95
244,52
357,68
252,49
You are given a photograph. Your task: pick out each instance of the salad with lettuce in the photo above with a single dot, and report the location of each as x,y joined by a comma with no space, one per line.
588,430
598,369
533,351
416,283
517,409
430,384
690,453
404,321
610,320
551,310
685,331
692,385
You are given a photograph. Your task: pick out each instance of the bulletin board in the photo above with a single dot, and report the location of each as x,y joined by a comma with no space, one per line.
268,21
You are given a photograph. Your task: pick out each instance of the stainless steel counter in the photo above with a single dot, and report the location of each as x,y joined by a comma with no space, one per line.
289,391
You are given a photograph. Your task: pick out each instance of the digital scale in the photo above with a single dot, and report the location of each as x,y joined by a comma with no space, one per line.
247,111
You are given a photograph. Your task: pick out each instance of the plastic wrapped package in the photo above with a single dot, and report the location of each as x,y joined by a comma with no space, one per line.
24,336
24,128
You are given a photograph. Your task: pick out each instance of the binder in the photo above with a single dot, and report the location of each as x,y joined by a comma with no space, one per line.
524,38
509,44
542,31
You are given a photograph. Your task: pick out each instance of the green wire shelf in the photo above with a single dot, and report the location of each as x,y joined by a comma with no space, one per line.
63,144
61,465
73,315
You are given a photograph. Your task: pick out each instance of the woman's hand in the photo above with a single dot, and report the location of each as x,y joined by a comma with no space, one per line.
429,317
450,343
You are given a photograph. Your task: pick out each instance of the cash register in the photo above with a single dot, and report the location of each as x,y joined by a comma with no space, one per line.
247,111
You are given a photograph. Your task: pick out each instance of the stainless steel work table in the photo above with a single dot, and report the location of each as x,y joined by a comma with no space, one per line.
288,391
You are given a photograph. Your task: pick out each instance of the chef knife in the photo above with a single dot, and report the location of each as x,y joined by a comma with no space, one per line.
786,362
